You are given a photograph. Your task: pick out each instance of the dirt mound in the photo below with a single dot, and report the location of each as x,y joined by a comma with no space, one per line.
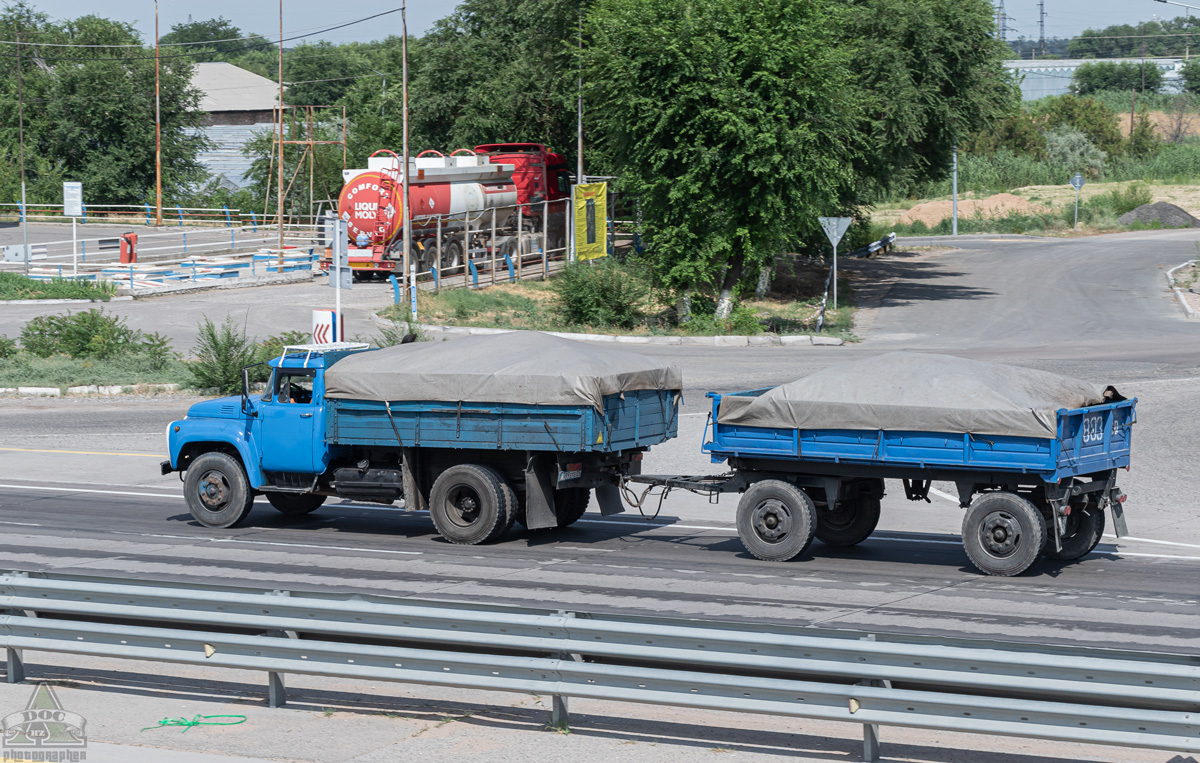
1163,212
1001,205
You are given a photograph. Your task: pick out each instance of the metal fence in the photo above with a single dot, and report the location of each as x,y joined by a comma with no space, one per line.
1099,696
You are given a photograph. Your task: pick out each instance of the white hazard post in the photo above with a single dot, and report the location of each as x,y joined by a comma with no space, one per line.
73,208
324,326
835,228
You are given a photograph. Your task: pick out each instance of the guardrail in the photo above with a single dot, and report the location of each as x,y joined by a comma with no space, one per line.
1098,696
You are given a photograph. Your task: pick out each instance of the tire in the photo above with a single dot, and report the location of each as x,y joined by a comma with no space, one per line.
429,257
470,504
294,505
1003,533
850,523
1085,526
776,520
570,504
217,492
452,258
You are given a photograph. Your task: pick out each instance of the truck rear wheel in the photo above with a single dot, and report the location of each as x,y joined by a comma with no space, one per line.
471,504
850,523
217,491
570,504
295,504
1003,533
1085,526
776,520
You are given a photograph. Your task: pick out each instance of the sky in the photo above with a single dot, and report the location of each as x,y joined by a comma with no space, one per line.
1064,18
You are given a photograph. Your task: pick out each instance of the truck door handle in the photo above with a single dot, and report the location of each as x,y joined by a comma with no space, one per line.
306,415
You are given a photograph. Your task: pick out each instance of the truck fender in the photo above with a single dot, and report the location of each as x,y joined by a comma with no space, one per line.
201,436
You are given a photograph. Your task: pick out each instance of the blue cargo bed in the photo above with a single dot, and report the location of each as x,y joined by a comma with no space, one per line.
1087,441
636,419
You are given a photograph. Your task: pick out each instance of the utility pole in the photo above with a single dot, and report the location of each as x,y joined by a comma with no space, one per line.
1001,22
409,269
579,105
21,139
157,129
1042,26
279,189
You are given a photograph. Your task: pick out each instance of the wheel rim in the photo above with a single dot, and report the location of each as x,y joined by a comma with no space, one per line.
452,256
1000,534
213,491
771,521
463,505
841,517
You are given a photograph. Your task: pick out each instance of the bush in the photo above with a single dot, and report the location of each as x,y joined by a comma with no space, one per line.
600,293
89,334
1069,147
1118,201
221,353
272,346
8,347
17,286
157,349
1108,75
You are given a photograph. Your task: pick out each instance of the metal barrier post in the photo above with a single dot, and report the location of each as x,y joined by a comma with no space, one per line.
228,221
253,262
147,214
276,689
254,221
21,216
434,271
512,276
395,288
15,665
83,250
233,238
180,211
437,264
520,240
474,274
560,717
83,207
185,242
493,248
871,749
131,278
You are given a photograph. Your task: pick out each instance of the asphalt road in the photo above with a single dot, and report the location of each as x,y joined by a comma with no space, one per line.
1096,308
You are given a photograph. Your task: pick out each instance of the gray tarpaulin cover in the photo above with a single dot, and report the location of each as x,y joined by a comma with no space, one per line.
516,367
918,392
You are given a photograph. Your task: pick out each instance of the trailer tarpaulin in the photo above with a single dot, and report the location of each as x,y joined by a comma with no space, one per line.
514,367
922,393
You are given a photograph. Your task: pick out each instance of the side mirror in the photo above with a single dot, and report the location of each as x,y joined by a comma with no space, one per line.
246,391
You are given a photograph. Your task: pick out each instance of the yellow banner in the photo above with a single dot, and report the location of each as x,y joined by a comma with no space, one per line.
591,221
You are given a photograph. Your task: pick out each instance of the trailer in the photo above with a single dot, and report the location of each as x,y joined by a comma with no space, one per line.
1040,491
482,433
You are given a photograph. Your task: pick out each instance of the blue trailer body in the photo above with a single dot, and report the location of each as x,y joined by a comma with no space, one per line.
1087,441
633,420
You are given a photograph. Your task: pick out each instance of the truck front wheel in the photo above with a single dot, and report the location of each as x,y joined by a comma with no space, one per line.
295,504
217,491
1003,533
776,520
471,504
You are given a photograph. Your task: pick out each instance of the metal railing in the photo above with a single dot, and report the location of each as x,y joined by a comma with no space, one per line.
1076,694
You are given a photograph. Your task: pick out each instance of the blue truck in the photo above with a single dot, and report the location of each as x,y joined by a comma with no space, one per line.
477,466
1041,491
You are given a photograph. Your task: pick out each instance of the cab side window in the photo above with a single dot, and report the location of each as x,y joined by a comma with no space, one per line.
293,388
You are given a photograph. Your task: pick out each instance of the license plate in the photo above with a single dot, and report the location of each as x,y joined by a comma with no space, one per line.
567,476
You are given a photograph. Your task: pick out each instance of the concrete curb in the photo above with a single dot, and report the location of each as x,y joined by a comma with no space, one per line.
1188,312
296,276
90,389
64,301
762,340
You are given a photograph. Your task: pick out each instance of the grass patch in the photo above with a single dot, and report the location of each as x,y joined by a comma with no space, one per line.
17,286
27,370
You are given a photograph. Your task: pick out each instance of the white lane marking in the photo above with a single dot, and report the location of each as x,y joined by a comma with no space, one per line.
940,494
318,546
1152,540
86,490
1119,552
22,524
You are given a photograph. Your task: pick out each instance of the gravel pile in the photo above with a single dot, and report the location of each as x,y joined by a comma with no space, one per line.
1169,215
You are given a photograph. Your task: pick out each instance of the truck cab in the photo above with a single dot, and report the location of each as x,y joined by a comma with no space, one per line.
272,442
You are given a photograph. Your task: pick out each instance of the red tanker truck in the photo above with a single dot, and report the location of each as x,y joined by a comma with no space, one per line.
515,194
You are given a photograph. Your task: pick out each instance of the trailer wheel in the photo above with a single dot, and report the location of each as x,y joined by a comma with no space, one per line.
570,504
470,504
850,523
776,520
1003,533
1085,526
217,491
294,505
452,257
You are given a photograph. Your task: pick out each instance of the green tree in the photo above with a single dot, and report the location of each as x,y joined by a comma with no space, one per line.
1089,116
1144,140
1019,133
89,113
1190,71
1164,37
734,121
212,40
1107,75
932,73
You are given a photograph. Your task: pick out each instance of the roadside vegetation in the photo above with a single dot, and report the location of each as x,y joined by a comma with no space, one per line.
16,286
621,298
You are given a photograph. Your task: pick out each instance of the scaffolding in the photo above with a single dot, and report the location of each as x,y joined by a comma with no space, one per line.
302,129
